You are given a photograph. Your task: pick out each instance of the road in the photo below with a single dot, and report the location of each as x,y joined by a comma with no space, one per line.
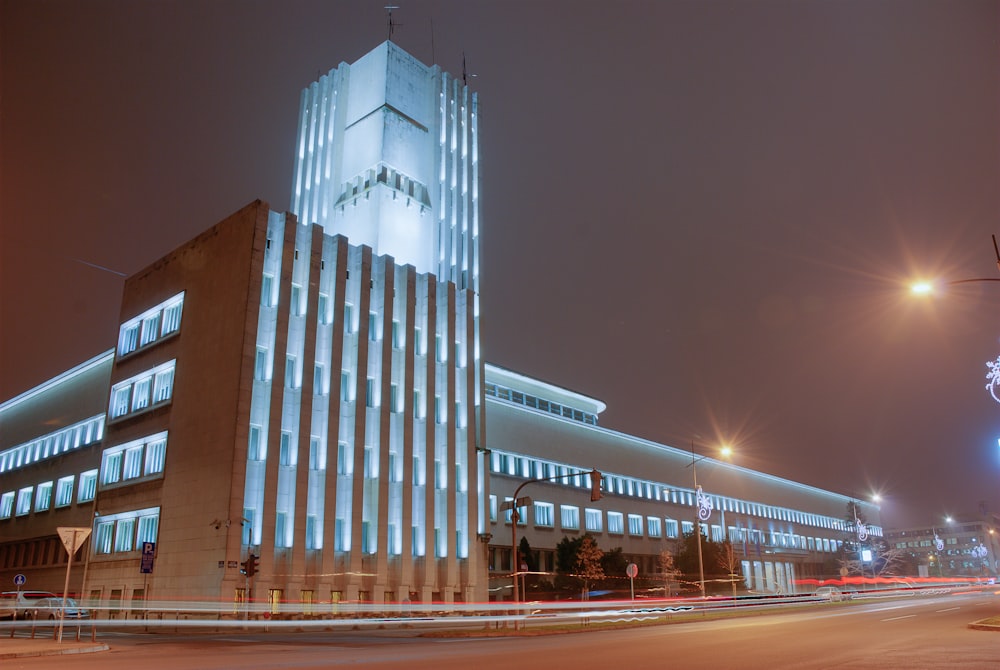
914,633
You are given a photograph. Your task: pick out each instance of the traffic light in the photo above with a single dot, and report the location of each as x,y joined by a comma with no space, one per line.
595,485
249,566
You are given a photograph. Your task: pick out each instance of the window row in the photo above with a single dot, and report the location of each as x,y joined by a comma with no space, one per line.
528,400
45,496
134,460
637,525
533,468
125,532
150,326
143,391
67,439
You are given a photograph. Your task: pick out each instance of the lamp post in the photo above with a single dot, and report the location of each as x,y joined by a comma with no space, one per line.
515,516
703,512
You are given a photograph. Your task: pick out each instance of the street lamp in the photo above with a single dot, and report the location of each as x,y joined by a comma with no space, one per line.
704,509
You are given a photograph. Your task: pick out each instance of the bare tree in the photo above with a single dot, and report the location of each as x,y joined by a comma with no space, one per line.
885,561
588,563
665,561
729,562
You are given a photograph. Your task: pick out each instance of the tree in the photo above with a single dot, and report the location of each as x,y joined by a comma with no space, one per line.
614,565
668,569
527,557
728,561
566,550
886,560
588,563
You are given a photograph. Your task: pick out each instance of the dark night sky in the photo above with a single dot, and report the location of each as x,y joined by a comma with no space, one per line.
703,213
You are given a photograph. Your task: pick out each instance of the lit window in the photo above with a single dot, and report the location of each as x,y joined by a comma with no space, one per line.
171,318
290,376
397,340
119,401
125,535
319,380
24,500
88,486
140,394
260,365
635,525
285,449
312,533
296,301
147,528
653,526
128,340
544,515
132,465
253,445
370,392
348,318
43,499
267,291
593,520
616,523
324,309
156,452
570,517
373,327
150,329
111,467
6,505
315,455
103,537
163,385
64,491
342,468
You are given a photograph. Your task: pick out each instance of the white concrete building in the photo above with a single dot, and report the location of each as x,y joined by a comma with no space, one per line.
309,388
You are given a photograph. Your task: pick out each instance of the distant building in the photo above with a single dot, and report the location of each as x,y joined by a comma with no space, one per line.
968,547
309,388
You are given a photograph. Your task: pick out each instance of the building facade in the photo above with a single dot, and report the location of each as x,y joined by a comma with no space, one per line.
308,389
968,547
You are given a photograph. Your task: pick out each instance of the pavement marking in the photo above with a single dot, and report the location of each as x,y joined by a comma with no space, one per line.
897,618
948,609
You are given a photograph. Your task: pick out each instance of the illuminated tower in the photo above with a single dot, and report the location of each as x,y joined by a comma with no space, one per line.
364,471
387,155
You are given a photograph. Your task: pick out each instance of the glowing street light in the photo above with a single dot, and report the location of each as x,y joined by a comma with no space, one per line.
704,508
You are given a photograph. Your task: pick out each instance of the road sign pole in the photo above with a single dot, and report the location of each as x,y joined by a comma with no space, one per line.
69,564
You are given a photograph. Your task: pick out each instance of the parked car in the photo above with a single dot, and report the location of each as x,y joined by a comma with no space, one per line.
830,593
8,606
25,601
49,608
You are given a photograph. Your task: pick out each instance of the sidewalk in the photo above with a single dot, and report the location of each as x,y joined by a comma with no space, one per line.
23,647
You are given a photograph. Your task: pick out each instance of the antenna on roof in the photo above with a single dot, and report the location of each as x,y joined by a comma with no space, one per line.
465,72
392,25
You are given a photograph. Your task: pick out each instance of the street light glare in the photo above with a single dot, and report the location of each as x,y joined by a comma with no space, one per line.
922,288
726,451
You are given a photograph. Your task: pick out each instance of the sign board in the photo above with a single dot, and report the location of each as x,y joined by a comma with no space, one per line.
73,538
632,570
19,579
146,561
523,501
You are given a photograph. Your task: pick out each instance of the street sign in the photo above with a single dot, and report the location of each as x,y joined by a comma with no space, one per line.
146,560
73,538
632,570
19,579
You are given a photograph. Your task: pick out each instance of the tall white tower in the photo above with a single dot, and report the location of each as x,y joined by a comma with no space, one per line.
387,155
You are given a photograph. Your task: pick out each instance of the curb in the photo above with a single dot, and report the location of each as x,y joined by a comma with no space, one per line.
54,651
